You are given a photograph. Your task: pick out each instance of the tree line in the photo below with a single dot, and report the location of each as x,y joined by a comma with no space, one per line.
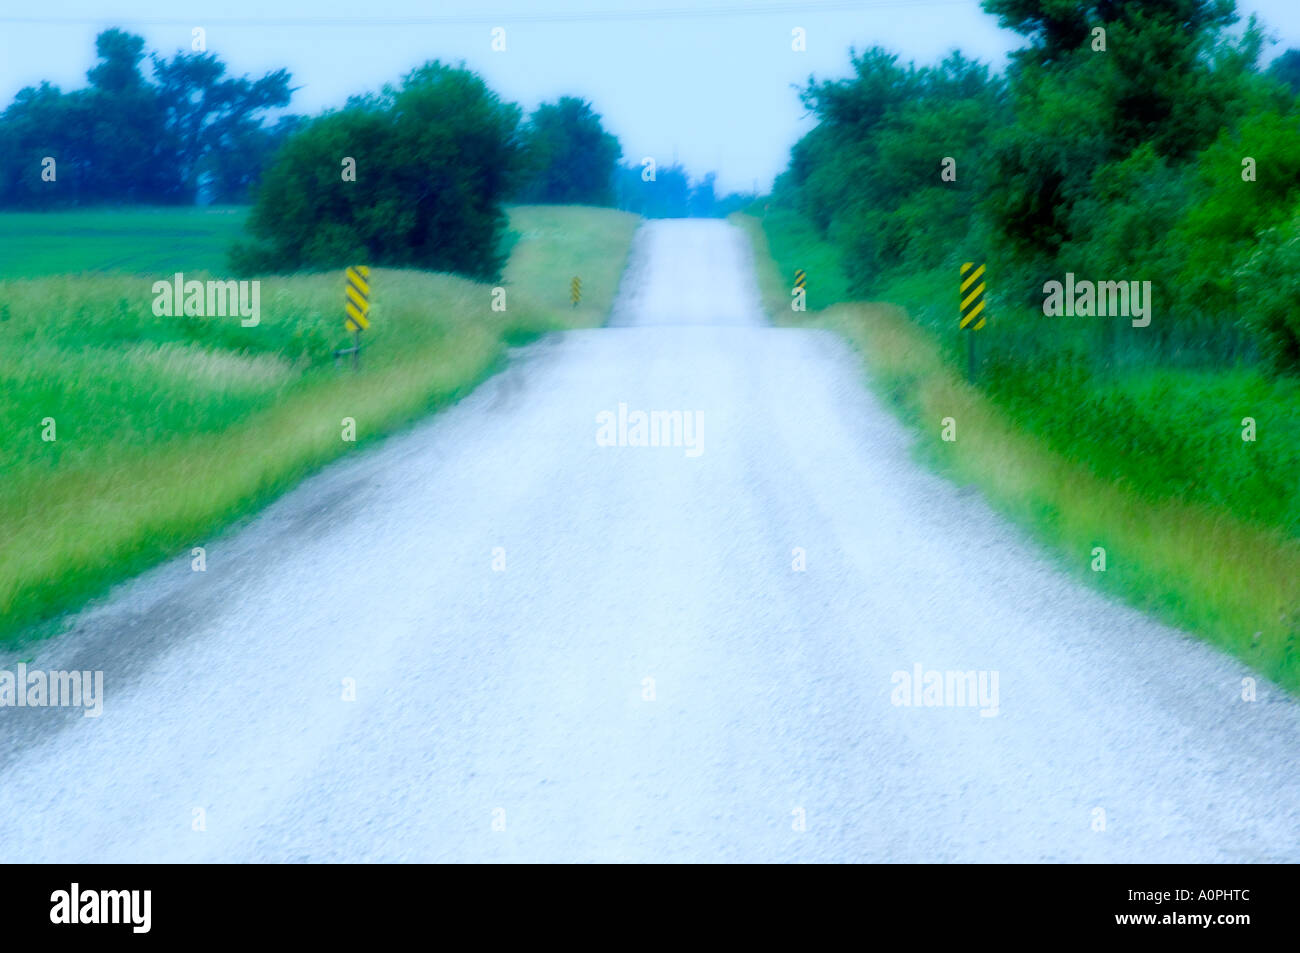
1128,139
128,138
416,174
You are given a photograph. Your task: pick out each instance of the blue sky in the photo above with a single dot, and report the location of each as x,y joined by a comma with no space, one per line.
708,82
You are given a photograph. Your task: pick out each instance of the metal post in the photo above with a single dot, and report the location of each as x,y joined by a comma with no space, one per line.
356,350
970,371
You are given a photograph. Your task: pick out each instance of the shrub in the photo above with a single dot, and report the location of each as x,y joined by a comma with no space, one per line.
1269,288
434,160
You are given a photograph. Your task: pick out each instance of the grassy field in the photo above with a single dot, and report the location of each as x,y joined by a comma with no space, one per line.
168,429
162,240
1199,528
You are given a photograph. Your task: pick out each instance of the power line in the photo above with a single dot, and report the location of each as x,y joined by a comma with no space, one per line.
502,17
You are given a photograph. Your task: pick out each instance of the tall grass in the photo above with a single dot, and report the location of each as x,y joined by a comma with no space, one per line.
789,240
1187,534
169,428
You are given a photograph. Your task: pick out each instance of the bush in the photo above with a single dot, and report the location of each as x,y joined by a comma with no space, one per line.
1269,288
569,157
434,160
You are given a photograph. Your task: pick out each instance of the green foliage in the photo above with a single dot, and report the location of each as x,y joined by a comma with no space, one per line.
1220,227
1286,70
1206,526
1270,278
1043,162
667,195
434,162
125,139
1054,27
569,158
1117,164
1057,28
795,244
857,178
214,123
169,428
1168,434
235,170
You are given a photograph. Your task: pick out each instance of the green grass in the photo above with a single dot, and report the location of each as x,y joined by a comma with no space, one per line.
149,240
1166,433
789,240
169,429
1149,465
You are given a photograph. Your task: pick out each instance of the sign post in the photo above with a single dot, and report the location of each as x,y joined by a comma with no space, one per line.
356,305
971,296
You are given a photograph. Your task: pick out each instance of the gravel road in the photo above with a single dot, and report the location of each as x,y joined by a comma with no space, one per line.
565,645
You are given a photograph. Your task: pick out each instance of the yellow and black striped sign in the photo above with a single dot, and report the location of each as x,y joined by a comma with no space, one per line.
972,296
575,290
356,299
800,278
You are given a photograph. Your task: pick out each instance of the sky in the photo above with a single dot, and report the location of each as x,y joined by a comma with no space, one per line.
709,83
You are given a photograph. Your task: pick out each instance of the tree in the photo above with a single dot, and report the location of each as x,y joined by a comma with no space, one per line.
1286,69
434,160
207,115
1170,81
568,155
1270,281
126,139
1057,28
856,177
234,169
43,121
125,159
667,195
